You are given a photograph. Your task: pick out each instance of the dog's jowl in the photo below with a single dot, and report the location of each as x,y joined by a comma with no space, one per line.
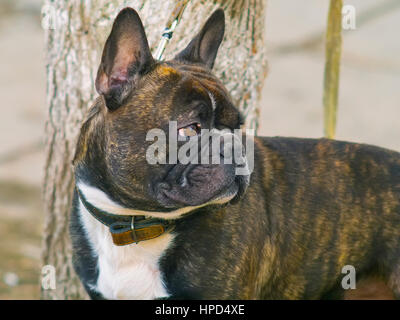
197,229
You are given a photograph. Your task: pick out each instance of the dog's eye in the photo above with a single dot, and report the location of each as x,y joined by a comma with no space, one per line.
190,130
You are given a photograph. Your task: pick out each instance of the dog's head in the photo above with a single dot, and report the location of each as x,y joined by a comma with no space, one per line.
180,98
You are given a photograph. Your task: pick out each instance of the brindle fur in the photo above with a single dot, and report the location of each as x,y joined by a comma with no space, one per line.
312,206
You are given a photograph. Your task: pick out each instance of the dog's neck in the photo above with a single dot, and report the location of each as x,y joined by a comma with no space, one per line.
130,225
127,229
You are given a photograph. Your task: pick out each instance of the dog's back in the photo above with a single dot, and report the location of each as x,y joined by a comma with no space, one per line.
329,204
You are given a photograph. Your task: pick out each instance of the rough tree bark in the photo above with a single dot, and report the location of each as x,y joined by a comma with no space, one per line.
75,33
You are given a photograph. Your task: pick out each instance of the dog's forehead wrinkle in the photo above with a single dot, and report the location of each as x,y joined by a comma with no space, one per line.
203,88
196,81
212,98
196,72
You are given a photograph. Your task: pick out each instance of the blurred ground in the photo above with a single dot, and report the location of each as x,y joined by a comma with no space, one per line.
369,102
291,106
22,93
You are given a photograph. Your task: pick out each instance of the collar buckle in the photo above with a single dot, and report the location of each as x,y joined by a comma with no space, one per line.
124,229
134,236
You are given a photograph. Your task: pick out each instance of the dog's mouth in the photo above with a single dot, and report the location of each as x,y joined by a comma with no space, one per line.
172,200
196,185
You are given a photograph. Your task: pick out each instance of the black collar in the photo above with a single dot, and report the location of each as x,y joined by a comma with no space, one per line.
127,229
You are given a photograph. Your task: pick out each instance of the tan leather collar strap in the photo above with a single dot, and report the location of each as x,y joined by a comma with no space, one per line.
124,233
128,229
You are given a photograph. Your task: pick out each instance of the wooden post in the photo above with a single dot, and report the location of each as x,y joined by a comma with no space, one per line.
332,67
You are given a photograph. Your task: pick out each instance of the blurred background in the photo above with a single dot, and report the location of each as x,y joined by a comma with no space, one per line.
369,105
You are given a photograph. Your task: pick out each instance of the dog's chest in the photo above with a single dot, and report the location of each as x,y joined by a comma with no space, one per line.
126,272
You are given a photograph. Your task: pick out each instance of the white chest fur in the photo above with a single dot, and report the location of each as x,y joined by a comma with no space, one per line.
126,272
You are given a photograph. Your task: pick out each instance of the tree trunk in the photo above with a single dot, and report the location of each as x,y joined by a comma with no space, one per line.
75,34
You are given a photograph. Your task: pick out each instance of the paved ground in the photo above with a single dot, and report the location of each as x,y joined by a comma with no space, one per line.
291,106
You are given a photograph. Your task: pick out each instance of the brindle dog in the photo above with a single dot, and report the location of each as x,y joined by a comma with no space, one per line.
309,208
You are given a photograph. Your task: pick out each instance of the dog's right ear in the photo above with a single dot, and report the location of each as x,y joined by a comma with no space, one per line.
126,56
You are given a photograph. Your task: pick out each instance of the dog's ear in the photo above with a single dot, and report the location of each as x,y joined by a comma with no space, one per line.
126,56
204,47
